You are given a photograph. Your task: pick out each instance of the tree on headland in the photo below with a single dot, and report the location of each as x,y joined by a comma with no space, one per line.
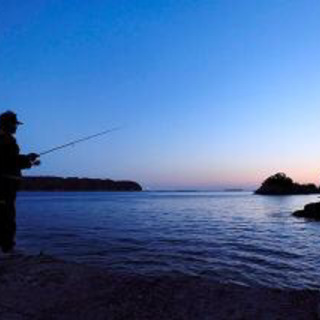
281,184
77,184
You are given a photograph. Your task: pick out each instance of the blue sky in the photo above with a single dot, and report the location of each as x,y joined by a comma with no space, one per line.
210,94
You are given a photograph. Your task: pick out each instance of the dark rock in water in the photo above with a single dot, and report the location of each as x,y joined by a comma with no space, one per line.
311,210
76,184
280,184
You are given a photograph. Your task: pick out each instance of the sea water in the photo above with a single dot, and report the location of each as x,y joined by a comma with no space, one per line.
229,237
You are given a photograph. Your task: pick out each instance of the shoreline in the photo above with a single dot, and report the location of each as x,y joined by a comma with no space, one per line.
43,287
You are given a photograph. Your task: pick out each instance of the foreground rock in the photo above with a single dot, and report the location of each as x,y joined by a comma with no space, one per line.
280,184
77,184
45,288
311,211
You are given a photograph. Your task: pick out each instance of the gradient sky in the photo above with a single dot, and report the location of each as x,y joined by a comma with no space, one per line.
210,94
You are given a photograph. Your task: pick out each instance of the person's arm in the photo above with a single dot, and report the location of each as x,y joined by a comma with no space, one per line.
24,162
10,158
28,160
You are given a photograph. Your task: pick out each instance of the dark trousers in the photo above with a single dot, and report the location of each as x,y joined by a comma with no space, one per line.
7,222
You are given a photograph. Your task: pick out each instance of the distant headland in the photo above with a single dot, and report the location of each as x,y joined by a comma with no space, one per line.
233,190
48,183
280,184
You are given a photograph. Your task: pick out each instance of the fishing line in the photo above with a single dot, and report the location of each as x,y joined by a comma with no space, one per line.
72,143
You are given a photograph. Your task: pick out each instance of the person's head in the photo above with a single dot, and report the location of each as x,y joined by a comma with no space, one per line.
9,122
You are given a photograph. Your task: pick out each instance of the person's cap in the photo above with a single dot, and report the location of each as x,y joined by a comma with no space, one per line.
9,117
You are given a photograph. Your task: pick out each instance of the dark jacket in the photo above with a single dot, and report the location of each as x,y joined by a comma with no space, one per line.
11,163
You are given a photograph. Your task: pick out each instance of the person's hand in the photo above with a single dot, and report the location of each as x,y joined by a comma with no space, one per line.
36,163
33,156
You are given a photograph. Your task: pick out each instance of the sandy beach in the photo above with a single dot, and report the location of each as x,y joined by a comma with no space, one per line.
42,287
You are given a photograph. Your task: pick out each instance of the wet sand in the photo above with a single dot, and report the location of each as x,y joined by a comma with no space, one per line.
42,287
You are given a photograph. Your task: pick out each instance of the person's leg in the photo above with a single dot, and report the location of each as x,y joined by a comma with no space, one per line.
2,221
8,228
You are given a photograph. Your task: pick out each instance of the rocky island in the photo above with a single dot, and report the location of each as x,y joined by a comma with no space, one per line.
311,211
76,184
280,184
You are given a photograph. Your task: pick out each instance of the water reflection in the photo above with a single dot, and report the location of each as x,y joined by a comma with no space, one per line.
230,237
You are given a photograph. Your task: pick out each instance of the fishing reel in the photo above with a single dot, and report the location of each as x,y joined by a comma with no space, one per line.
33,158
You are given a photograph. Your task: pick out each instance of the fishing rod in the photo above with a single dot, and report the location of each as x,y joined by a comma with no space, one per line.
72,143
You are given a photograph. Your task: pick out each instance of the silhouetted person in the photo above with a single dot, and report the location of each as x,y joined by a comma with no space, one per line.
11,164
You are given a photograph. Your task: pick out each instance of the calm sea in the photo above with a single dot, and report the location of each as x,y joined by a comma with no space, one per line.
225,236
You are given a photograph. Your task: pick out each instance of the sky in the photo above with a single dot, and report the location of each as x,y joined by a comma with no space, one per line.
208,94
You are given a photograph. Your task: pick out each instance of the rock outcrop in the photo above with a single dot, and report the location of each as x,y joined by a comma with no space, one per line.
76,184
311,211
280,184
